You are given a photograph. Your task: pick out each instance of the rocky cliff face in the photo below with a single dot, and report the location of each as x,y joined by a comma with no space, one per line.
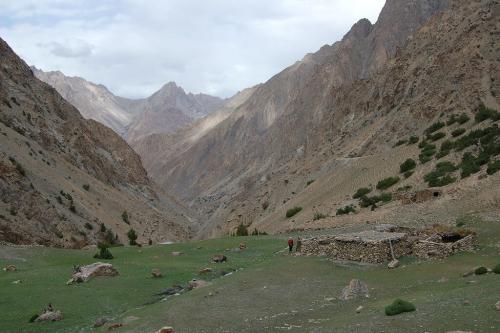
273,124
63,176
165,111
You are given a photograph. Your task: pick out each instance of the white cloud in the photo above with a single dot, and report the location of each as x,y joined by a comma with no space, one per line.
135,46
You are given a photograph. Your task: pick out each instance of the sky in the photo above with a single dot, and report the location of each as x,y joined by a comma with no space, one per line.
134,47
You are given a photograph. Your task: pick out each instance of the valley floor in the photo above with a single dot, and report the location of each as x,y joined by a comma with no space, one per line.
269,291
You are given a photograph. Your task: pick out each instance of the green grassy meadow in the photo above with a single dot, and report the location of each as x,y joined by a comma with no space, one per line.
269,290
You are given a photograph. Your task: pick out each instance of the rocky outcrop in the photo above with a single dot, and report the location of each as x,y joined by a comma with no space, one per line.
355,289
85,273
50,316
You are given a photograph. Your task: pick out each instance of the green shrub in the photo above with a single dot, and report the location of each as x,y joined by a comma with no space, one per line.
424,159
437,136
469,165
481,270
446,167
109,237
434,127
125,217
387,182
399,306
412,140
442,153
372,201
309,182
86,187
89,226
132,237
361,192
104,252
459,131
463,118
319,216
407,165
440,177
102,228
493,167
241,230
496,269
346,210
485,113
72,207
293,211
399,143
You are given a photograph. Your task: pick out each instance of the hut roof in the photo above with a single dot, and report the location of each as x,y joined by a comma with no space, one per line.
370,236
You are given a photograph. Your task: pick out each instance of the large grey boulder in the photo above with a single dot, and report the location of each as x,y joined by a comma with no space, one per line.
84,273
50,316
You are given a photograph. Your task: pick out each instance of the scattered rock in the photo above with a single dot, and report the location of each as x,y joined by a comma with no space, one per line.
497,306
93,270
219,258
205,270
466,302
100,321
393,264
171,291
114,327
243,246
16,282
194,284
359,308
10,268
176,254
155,273
166,329
50,316
355,289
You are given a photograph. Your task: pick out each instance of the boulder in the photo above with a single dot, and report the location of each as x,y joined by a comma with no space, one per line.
219,258
115,327
195,284
50,316
84,273
155,273
243,246
355,289
393,264
10,268
166,329
100,321
177,253
205,270
359,309
497,306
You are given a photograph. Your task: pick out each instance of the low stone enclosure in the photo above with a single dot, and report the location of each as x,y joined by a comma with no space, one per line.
387,242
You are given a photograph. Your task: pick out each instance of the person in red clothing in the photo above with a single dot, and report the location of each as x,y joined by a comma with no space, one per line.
290,244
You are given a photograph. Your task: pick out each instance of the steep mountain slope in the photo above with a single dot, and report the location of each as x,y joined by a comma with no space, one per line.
65,180
289,117
163,112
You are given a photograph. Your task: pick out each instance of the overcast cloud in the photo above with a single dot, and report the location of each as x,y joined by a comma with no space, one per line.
213,46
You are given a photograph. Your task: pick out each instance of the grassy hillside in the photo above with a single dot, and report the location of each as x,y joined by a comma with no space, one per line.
270,291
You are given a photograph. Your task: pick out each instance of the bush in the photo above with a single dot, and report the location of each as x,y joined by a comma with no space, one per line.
102,228
434,127
493,167
412,140
241,230
463,118
446,167
437,136
104,252
319,216
481,270
372,201
89,226
407,165
399,143
310,182
125,217
469,165
496,269
387,182
293,211
86,187
399,306
346,210
132,237
361,192
72,207
485,113
440,177
458,132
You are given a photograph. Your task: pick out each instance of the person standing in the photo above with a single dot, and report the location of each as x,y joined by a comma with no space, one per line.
290,244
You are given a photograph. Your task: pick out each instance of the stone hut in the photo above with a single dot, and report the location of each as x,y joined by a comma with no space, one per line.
367,246
419,196
435,248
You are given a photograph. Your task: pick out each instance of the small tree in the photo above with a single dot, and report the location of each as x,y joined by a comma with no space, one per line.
132,237
104,252
242,230
407,165
125,217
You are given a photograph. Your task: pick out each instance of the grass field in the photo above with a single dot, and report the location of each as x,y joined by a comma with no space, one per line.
269,292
